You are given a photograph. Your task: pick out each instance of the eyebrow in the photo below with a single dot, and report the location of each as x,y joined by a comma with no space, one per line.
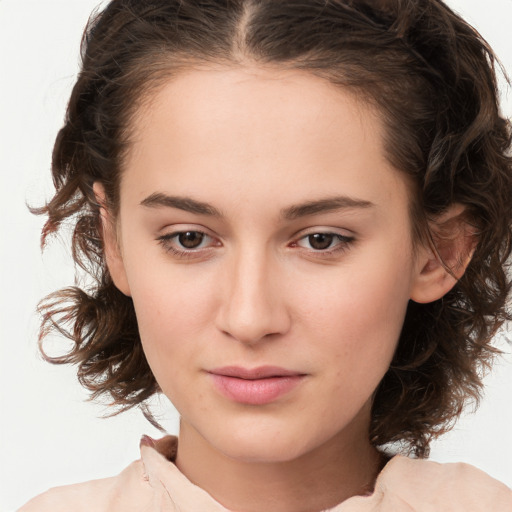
159,200
330,204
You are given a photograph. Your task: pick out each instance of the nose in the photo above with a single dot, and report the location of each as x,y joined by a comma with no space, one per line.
253,306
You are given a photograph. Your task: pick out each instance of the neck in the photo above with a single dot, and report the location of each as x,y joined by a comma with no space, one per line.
343,467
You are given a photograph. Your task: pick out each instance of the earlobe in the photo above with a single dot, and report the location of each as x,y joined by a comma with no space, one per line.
113,256
441,265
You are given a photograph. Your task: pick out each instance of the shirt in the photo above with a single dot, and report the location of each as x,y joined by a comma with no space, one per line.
155,484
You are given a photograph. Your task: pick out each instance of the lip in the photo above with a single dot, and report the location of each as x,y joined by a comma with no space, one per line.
255,386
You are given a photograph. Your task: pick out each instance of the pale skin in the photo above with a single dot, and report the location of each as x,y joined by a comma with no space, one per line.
259,166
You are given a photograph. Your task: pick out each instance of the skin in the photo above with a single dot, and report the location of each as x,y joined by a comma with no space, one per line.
252,143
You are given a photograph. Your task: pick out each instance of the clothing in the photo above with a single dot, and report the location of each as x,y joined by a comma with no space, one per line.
155,484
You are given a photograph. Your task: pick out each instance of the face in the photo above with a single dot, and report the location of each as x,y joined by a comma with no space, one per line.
266,243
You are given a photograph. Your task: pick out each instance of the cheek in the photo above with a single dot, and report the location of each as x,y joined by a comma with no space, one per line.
168,309
357,318
173,306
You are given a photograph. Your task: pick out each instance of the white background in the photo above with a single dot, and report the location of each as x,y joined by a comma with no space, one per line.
49,435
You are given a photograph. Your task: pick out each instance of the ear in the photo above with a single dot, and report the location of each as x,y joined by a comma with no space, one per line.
441,264
113,256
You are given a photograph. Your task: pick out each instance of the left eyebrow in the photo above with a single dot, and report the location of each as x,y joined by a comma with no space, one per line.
329,204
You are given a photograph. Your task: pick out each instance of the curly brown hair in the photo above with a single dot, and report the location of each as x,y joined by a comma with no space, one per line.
431,77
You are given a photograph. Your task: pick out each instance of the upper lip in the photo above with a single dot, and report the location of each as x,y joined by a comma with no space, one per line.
261,372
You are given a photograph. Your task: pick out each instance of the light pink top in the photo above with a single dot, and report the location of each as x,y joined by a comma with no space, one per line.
154,484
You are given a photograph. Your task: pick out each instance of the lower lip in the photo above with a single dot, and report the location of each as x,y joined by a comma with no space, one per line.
257,391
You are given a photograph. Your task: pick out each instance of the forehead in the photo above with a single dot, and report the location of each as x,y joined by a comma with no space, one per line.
261,133
238,96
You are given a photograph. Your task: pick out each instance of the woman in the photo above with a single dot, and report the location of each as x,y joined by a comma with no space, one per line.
297,216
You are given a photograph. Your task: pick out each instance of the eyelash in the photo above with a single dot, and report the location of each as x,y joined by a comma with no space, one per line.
166,242
344,243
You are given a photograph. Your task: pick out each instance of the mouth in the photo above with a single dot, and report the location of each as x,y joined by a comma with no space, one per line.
255,386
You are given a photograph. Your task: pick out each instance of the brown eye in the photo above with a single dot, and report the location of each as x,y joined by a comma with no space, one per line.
188,244
320,241
190,239
325,243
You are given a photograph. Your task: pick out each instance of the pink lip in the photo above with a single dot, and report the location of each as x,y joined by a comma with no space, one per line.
257,386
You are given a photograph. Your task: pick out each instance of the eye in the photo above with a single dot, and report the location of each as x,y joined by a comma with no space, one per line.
190,239
320,241
187,243
324,242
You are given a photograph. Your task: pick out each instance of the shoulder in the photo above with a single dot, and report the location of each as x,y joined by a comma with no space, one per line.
430,486
125,492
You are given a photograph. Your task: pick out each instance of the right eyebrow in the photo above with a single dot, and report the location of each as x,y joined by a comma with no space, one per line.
159,200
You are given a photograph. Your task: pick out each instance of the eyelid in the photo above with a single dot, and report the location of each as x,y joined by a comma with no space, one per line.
166,241
345,241
325,230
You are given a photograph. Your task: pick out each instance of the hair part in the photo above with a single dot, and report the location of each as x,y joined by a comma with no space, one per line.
429,75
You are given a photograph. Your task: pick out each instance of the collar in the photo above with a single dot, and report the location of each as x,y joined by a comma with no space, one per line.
177,493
